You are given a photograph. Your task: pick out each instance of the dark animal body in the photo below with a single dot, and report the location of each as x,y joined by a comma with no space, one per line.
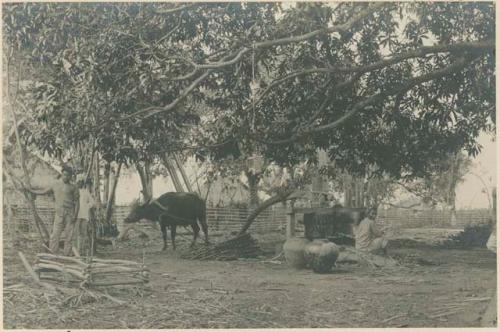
173,209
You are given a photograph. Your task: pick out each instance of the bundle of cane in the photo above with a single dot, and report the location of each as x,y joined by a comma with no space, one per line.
91,271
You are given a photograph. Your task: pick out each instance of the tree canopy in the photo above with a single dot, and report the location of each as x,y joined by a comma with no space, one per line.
390,86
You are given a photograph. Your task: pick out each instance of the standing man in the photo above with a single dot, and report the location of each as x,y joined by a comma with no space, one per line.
66,204
85,230
367,236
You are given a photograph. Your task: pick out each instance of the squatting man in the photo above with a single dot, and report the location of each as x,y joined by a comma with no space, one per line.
367,236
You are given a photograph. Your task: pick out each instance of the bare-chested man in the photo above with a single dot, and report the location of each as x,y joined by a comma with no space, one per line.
66,197
367,236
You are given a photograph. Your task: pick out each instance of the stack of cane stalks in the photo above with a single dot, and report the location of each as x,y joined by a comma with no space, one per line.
90,271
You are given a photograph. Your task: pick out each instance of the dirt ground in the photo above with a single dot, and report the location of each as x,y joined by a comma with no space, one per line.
449,288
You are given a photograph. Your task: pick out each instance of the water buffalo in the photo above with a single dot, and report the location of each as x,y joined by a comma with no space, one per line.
172,209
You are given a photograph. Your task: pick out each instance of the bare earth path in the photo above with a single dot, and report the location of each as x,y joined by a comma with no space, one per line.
253,294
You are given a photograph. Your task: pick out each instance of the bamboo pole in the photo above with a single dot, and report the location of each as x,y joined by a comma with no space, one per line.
63,269
114,261
111,199
132,274
183,173
173,174
117,270
102,265
50,278
116,283
61,258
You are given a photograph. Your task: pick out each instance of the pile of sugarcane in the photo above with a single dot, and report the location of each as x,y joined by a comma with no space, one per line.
242,246
90,271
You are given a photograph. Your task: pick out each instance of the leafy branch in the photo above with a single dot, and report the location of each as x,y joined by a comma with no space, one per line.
459,64
237,56
420,52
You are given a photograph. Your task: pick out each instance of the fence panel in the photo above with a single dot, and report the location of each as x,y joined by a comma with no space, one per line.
228,220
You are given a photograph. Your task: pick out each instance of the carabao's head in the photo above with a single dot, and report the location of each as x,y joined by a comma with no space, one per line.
137,212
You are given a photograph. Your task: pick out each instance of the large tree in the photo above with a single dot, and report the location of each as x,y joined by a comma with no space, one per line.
385,86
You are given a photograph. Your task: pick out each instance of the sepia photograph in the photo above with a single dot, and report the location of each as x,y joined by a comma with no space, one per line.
249,165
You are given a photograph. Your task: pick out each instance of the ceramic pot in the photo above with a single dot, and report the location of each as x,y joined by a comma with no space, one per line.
294,252
321,255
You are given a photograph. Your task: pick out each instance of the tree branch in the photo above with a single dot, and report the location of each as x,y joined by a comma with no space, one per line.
171,32
362,104
227,61
174,10
150,111
415,192
402,207
422,51
294,39
220,64
336,28
486,45
289,77
328,98
280,197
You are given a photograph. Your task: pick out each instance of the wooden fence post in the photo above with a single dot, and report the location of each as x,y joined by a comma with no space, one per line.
290,222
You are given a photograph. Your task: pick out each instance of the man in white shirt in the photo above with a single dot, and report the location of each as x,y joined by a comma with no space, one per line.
367,236
84,230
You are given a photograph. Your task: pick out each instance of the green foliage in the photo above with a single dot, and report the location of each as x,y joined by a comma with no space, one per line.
389,85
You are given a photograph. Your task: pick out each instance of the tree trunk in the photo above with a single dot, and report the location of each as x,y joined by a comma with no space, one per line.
453,210
253,189
90,164
347,193
96,183
111,199
42,230
452,188
358,185
208,185
183,174
146,180
280,197
44,234
40,225
173,174
107,176
354,192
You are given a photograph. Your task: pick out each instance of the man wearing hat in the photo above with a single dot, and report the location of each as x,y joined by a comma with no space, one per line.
367,236
66,204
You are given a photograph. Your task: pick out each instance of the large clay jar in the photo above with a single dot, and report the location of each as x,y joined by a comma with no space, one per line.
321,255
294,252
